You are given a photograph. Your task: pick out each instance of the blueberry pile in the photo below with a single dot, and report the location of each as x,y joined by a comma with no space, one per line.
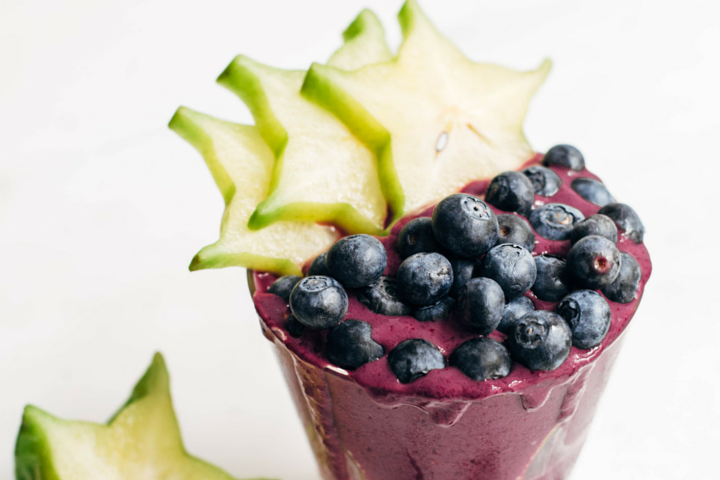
468,265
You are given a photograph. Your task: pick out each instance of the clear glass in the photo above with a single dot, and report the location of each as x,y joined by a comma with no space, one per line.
536,434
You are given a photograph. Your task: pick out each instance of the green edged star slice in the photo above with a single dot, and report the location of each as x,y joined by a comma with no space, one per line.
141,442
241,164
431,116
322,172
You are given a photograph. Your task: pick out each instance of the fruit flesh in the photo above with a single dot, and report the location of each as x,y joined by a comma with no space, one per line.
141,442
322,172
451,121
241,164
364,44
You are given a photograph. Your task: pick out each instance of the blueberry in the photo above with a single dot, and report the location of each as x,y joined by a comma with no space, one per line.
555,221
319,266
414,358
565,156
350,345
545,181
480,305
514,311
588,315
482,358
283,286
541,340
463,270
357,261
551,283
465,225
592,191
319,302
424,278
293,327
512,192
512,267
514,229
625,286
417,237
432,313
595,225
594,262
382,297
625,218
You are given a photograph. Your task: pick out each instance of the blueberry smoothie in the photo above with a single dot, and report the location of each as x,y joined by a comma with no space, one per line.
472,342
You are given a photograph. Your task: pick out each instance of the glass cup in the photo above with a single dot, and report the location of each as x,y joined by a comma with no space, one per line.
533,434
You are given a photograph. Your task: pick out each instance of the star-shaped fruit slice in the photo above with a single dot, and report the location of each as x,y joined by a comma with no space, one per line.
141,442
322,173
439,119
364,44
241,164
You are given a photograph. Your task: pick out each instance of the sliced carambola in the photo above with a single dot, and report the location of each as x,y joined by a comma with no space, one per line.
141,442
241,164
322,173
435,120
364,44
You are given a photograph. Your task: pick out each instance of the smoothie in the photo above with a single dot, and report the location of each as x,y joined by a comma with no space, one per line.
365,424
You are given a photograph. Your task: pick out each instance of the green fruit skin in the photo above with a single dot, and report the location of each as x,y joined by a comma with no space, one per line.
32,449
340,214
206,259
376,138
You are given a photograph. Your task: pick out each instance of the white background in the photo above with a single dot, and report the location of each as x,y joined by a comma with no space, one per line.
102,208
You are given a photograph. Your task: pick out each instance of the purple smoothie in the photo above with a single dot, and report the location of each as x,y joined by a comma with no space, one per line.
365,424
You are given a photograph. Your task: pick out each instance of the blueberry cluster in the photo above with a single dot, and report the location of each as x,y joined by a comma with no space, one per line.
468,265
320,300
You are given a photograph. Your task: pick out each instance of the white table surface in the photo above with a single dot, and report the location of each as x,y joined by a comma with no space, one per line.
102,208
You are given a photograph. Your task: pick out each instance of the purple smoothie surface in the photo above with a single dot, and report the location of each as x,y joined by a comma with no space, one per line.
450,383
